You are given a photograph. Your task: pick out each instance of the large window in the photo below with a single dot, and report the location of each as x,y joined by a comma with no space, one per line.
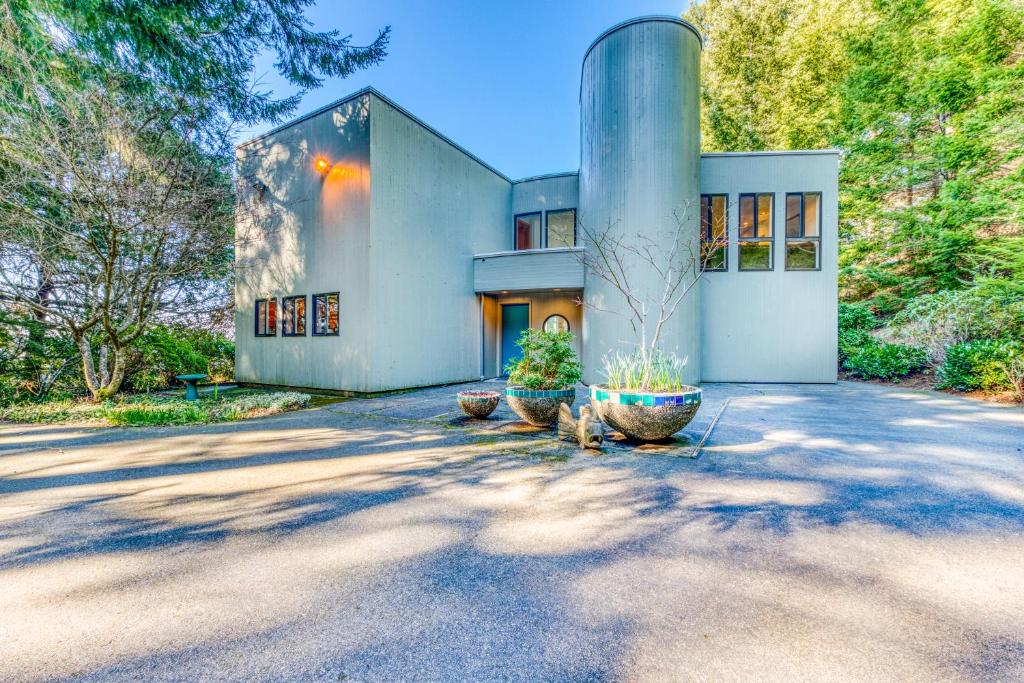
325,315
528,231
803,231
755,239
266,317
293,316
714,231
561,228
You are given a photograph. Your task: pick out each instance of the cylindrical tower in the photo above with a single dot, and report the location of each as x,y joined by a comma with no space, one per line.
639,175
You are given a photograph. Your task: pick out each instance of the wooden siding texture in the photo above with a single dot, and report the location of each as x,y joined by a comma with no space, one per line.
535,269
311,235
639,166
432,208
778,325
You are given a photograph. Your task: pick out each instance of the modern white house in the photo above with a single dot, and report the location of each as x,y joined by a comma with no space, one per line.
376,254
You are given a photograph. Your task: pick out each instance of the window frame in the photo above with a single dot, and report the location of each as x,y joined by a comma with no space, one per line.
803,230
546,225
256,317
568,327
294,297
740,239
313,298
515,229
703,235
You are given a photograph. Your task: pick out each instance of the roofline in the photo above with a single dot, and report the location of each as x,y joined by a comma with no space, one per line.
774,152
370,90
545,176
639,20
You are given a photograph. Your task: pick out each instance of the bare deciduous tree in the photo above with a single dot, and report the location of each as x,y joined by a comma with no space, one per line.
112,210
676,255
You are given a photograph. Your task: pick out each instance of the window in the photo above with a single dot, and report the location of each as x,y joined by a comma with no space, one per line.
803,231
556,323
266,317
325,315
528,231
293,316
755,243
713,231
561,229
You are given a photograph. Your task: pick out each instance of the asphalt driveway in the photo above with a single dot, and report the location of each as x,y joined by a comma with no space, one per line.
847,532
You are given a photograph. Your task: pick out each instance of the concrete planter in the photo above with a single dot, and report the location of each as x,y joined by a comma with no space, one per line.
644,415
478,404
539,407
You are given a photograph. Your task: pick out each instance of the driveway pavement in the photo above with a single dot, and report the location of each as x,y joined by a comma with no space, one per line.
847,532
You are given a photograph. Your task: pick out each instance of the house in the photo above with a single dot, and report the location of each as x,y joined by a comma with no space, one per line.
376,254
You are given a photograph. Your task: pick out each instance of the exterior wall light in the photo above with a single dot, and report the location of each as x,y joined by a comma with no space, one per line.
321,165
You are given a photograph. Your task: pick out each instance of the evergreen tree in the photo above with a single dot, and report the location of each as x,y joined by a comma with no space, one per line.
932,125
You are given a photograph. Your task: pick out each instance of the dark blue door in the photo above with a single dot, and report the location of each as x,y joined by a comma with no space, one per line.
514,319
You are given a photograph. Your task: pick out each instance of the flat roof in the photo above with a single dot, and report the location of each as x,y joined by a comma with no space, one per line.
772,152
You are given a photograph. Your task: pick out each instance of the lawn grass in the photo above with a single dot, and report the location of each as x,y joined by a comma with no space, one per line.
154,410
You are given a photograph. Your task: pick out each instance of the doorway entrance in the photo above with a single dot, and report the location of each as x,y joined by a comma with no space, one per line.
514,319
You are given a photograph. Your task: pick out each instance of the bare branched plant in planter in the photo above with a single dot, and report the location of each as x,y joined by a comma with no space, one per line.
645,396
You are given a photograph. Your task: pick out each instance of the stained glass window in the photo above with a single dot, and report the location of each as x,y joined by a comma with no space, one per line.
325,314
293,316
266,317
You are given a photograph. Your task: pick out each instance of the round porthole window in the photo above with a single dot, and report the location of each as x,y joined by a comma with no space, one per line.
556,323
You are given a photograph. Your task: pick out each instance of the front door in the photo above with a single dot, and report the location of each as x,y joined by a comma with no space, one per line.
514,319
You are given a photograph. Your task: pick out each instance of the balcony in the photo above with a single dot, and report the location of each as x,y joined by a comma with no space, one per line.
530,269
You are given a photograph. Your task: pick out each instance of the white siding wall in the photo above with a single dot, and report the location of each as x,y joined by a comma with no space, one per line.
432,208
774,326
315,238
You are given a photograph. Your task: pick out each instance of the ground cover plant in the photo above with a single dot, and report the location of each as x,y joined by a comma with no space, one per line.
152,410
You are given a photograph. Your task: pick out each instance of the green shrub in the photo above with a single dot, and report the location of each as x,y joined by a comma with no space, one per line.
979,364
855,324
166,351
549,361
856,317
885,361
937,322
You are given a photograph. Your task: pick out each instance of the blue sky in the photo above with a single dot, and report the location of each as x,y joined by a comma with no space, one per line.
499,78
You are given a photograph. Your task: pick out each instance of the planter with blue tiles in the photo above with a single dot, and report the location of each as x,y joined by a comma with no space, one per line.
539,407
645,415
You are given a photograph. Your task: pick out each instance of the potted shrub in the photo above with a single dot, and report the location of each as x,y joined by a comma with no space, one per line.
644,396
544,377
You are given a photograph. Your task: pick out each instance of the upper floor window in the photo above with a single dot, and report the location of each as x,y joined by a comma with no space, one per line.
803,230
528,231
325,314
266,317
561,228
293,316
713,231
755,235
